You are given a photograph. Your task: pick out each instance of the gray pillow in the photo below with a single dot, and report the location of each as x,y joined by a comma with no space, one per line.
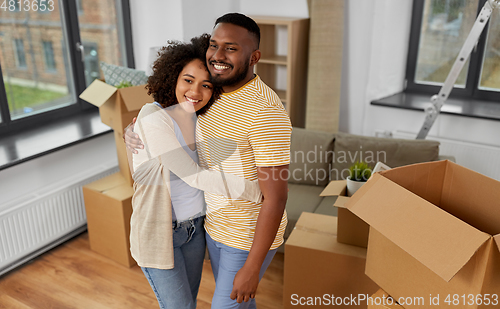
394,152
310,154
114,75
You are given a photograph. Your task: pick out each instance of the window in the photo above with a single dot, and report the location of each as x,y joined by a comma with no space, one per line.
35,46
79,6
44,6
439,29
20,55
92,70
48,52
16,4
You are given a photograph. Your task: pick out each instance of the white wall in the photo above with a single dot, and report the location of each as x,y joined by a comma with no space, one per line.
286,8
153,23
355,64
203,18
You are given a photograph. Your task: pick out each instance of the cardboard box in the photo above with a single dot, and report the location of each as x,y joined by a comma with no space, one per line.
351,229
117,108
318,268
434,231
382,300
108,203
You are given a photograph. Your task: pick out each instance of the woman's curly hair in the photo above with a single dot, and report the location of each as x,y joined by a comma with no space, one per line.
171,61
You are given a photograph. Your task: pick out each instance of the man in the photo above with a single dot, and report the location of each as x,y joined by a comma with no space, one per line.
242,237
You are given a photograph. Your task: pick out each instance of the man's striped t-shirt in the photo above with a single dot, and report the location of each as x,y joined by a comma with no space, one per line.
242,130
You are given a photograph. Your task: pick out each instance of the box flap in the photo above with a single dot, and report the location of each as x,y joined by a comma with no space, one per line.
434,237
472,197
107,183
317,223
135,97
341,201
335,187
98,93
424,179
497,241
318,232
121,192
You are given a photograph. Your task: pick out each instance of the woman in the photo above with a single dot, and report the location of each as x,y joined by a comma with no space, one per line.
167,237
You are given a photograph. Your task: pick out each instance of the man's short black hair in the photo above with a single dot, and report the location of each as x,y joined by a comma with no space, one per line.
242,21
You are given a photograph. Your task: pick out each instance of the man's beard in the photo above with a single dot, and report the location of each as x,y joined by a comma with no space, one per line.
217,81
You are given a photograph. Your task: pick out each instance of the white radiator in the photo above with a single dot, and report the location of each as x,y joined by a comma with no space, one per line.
31,225
484,159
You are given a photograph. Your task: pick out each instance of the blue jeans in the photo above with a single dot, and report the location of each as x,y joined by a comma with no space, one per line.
177,288
226,262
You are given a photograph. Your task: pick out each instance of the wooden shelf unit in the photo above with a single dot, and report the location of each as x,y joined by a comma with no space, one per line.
295,62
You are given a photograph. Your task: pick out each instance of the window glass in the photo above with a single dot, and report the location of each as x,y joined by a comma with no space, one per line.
445,27
79,7
91,62
48,52
490,73
101,32
43,6
39,42
19,53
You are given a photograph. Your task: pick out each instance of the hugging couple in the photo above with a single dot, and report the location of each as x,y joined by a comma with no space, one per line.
210,165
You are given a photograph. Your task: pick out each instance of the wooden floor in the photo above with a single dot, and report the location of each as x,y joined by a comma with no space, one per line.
73,276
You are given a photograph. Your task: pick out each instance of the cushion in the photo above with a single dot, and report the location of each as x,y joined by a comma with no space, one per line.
394,152
114,75
310,155
301,198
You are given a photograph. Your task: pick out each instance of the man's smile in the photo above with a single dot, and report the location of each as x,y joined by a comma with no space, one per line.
220,66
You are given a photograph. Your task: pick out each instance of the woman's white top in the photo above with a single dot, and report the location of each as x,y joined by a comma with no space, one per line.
187,202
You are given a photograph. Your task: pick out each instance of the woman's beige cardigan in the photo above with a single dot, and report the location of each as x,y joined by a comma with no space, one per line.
151,221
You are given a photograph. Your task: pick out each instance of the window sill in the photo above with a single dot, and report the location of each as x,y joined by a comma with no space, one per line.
33,143
453,106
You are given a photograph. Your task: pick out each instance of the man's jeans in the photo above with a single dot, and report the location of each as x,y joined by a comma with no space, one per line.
226,262
177,288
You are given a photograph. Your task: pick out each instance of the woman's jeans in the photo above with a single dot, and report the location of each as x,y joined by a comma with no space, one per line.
177,288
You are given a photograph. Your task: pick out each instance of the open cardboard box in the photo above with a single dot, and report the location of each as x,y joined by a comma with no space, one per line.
351,229
434,231
108,204
317,265
117,108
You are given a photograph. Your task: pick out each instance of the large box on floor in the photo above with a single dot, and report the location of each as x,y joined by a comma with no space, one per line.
351,229
382,300
434,231
108,203
117,108
320,271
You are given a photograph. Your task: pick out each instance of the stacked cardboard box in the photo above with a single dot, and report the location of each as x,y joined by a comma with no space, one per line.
108,207
319,271
434,235
108,200
117,108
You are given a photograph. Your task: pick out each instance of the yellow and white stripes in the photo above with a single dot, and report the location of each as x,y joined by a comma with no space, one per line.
244,129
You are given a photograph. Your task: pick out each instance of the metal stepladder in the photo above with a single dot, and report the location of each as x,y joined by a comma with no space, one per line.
437,100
